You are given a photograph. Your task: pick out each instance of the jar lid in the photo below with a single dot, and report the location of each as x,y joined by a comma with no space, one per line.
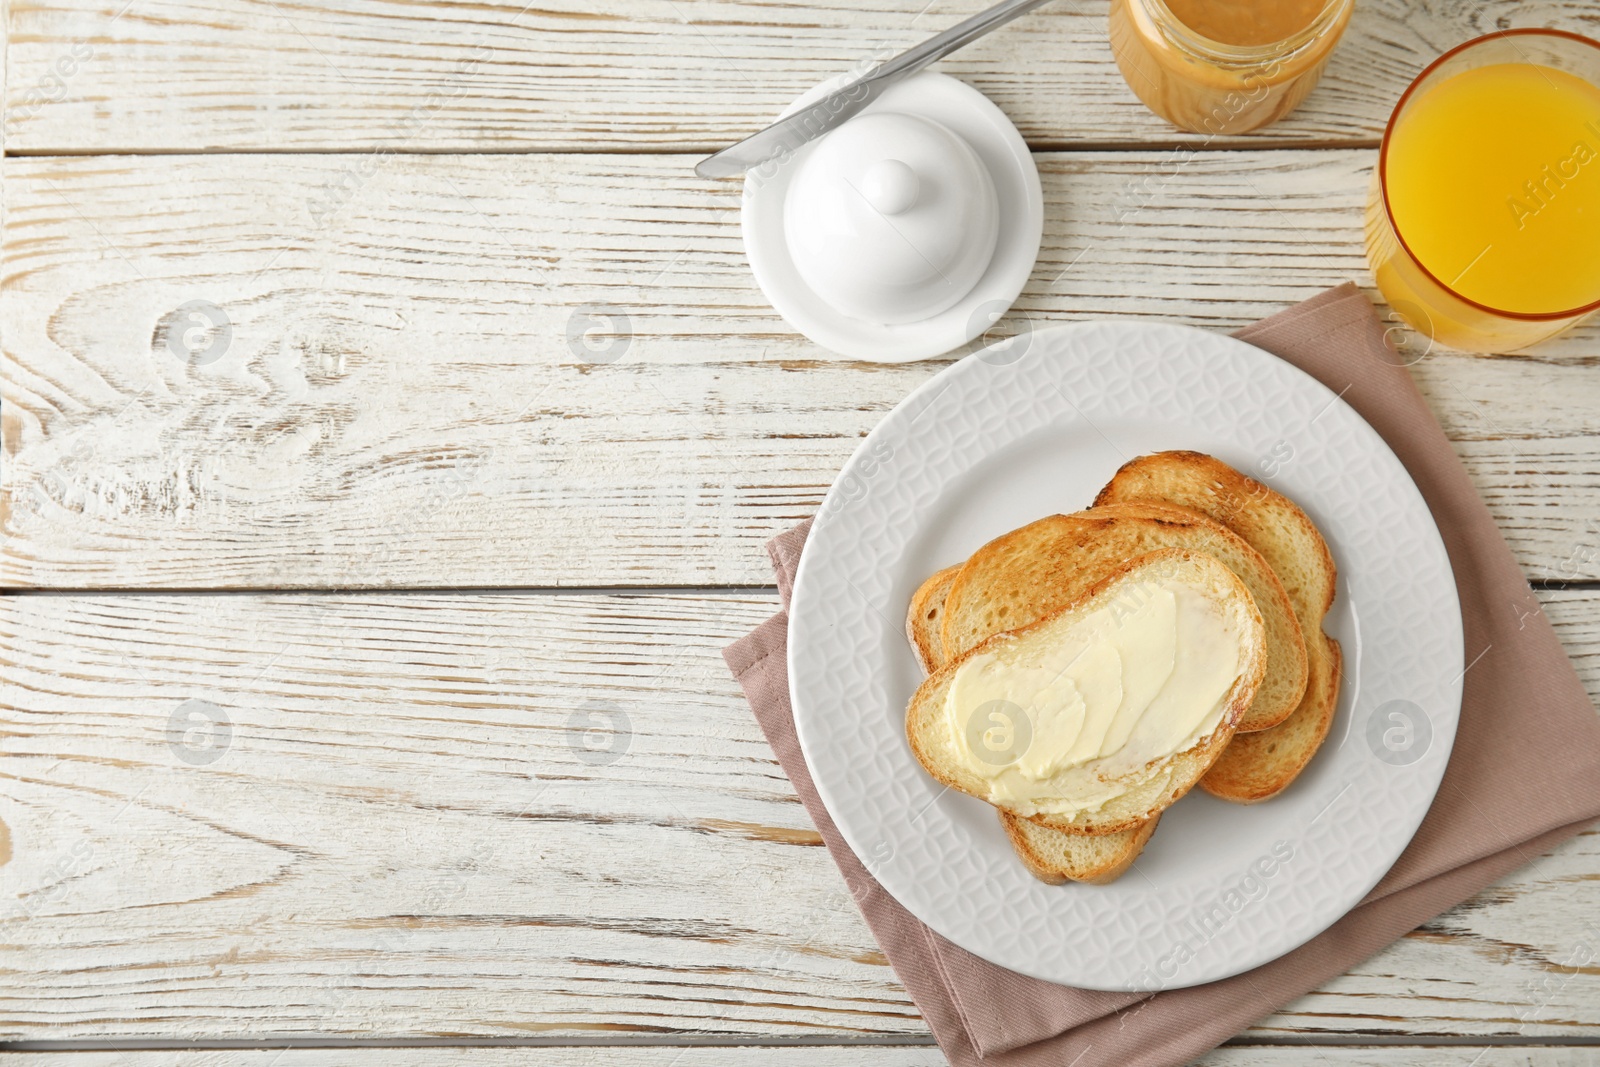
892,218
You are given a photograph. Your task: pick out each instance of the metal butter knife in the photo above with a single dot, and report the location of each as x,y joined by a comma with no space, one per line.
814,120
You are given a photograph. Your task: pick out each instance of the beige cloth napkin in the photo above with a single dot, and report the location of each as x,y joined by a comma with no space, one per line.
1524,774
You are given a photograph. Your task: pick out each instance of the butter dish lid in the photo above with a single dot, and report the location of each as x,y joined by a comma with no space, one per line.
902,234
892,219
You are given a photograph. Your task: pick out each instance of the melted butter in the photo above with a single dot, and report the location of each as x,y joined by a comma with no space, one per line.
1054,719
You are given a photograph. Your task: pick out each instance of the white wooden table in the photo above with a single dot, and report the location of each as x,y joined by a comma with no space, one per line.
361,676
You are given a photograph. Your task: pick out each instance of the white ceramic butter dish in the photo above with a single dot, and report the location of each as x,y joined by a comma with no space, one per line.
904,233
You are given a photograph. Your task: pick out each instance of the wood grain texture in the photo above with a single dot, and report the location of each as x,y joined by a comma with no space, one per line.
811,1056
551,816
409,396
115,75
538,814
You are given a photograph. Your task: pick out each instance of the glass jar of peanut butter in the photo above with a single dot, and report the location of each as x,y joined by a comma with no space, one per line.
1224,66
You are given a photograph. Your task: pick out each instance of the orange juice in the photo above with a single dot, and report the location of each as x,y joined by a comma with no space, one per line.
1483,224
1493,183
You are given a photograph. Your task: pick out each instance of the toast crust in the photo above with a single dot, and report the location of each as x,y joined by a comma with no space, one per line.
925,616
1154,787
1037,569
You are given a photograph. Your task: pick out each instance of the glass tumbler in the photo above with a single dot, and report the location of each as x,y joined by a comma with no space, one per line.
1438,299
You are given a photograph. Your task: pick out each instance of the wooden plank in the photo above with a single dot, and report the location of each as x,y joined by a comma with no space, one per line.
778,1056
537,815
170,75
407,398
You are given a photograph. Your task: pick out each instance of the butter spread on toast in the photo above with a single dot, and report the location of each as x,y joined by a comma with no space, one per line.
1056,720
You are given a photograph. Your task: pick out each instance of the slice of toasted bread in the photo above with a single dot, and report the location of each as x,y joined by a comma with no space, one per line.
924,617
1056,857
1260,765
1144,791
1053,856
1268,521
1034,571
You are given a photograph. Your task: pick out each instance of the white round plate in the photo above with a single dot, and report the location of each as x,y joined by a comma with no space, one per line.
1016,182
1036,425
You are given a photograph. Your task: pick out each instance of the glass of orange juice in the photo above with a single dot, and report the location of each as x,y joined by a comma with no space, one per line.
1224,66
1483,223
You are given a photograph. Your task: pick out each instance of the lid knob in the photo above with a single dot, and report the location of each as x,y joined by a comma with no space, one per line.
890,186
